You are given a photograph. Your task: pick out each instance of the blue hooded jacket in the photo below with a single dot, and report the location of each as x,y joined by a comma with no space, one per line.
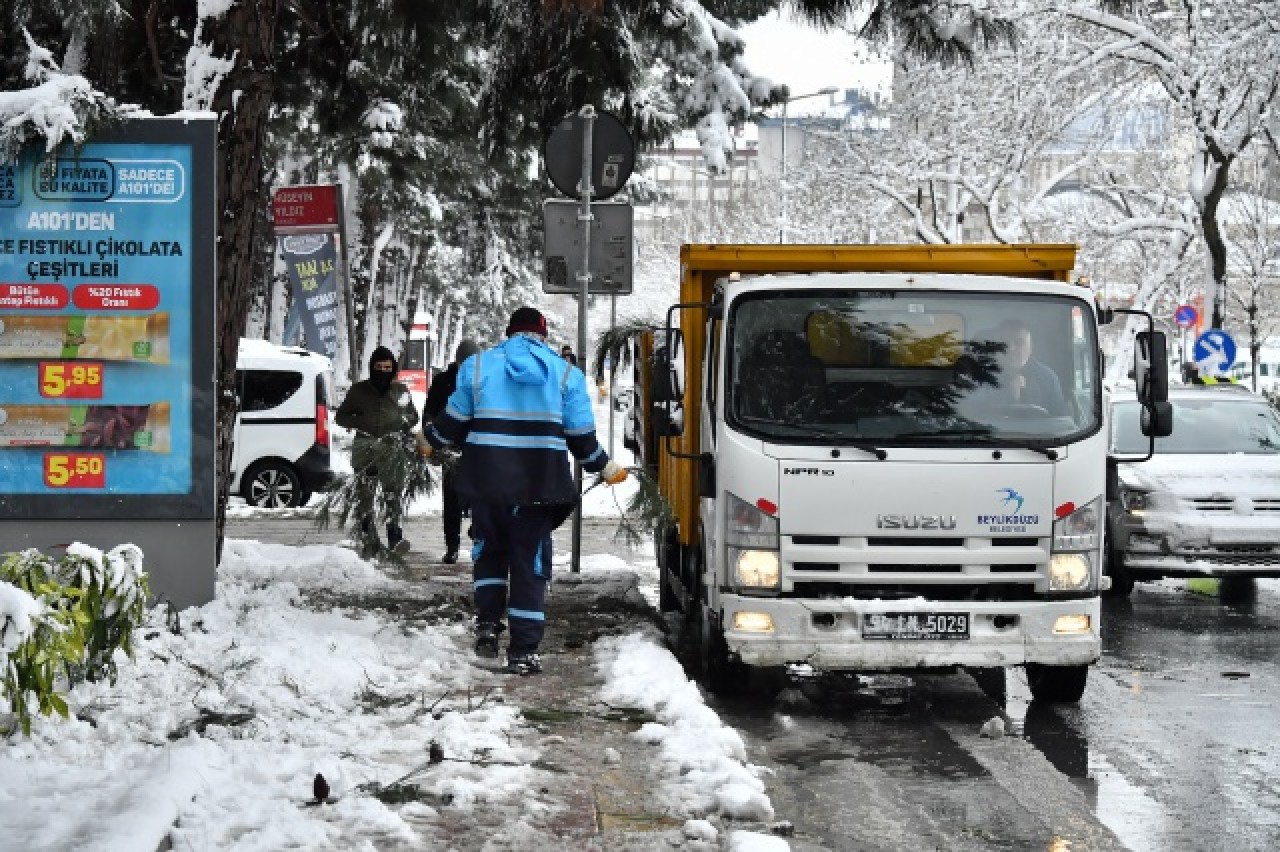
516,410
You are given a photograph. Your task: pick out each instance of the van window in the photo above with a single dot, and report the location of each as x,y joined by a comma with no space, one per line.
261,390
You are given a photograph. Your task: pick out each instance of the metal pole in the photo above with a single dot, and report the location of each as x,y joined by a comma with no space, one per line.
588,114
613,368
783,218
353,367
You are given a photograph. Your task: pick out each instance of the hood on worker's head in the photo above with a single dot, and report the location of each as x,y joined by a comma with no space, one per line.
529,360
382,353
380,380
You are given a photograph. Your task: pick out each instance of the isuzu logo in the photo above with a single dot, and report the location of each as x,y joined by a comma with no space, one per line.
916,522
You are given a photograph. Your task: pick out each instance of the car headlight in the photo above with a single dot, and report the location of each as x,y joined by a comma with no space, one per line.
755,569
1078,530
1069,572
1135,502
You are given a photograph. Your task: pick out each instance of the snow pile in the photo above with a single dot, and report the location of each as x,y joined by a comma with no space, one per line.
19,613
229,710
709,758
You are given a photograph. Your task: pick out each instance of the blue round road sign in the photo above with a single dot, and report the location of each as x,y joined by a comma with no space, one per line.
1186,316
1214,352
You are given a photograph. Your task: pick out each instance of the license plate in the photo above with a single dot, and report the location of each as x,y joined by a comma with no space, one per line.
915,625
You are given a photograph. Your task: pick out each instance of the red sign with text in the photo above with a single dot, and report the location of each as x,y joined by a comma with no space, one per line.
70,379
75,470
305,208
116,297
33,297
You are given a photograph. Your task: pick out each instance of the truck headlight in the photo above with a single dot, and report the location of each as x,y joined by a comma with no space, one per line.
1068,572
1078,530
756,569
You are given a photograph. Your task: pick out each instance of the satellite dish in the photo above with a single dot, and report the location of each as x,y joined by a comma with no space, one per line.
613,156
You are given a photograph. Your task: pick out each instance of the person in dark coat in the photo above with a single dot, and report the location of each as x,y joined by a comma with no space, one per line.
516,409
442,387
376,407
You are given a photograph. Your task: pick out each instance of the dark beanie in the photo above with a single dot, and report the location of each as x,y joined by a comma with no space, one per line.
527,319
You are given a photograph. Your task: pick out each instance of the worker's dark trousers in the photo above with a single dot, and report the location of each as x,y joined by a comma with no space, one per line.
508,569
452,512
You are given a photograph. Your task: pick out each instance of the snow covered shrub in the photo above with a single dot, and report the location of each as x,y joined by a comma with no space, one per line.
61,621
113,594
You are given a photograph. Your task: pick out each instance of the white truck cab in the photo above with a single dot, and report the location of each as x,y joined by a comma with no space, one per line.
895,470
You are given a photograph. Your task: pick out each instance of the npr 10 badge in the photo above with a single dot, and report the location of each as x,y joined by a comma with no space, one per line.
75,470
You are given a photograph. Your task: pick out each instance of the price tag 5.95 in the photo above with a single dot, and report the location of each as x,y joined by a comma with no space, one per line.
71,379
75,470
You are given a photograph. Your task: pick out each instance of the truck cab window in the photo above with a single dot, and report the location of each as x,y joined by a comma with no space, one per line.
912,368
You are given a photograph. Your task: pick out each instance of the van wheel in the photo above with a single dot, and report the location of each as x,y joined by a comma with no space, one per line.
273,485
1056,683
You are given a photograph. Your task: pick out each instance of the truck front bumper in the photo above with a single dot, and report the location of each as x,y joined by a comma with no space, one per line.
828,633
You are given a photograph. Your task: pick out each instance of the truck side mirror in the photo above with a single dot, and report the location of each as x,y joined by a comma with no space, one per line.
668,385
1151,377
668,366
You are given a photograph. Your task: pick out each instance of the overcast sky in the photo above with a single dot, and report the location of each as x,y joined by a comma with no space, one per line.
806,59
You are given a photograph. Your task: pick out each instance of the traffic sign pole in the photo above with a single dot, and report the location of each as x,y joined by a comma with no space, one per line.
588,115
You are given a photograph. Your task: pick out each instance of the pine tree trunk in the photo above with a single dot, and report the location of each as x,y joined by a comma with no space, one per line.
243,104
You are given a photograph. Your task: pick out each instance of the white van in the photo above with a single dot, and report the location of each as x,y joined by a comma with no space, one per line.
281,451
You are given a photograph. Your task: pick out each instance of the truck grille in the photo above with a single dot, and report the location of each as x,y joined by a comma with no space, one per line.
893,567
1213,504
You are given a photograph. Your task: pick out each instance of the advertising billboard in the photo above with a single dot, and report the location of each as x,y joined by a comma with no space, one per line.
106,327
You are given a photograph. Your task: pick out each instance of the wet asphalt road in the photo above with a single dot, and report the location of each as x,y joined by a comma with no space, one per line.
1175,746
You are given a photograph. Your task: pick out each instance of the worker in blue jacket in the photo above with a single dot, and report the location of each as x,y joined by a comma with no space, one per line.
516,409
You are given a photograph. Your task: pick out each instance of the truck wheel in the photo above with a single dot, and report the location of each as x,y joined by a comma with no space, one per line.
272,485
668,546
991,680
720,674
1056,683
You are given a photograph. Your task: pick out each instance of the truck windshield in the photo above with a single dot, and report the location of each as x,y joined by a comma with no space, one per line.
922,368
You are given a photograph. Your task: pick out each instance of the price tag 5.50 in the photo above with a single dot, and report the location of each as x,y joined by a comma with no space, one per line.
75,470
71,379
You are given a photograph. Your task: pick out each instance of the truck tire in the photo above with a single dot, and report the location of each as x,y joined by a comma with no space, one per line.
668,547
992,681
1056,684
1121,579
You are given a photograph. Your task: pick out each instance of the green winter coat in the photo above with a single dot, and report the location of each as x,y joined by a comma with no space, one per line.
375,414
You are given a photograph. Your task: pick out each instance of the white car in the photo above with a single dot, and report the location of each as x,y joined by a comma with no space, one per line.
1207,504
281,452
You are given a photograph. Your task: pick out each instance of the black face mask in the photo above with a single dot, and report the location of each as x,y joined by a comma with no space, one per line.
381,380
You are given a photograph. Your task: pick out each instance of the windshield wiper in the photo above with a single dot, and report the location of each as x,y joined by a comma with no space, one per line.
983,432
810,431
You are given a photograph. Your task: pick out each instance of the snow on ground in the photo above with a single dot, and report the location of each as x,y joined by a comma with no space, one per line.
240,710
228,711
704,760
